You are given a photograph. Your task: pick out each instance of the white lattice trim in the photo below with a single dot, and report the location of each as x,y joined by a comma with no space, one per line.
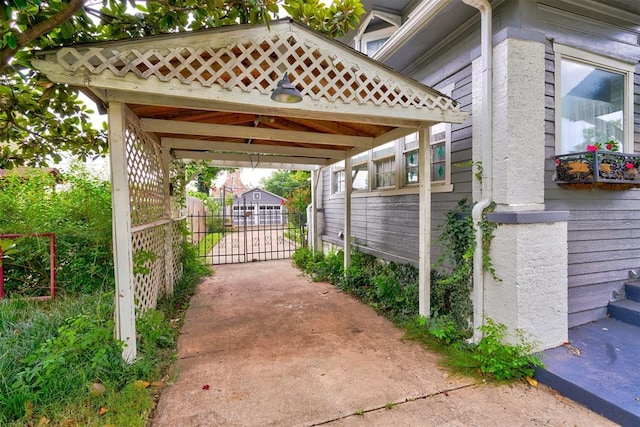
257,64
149,284
146,195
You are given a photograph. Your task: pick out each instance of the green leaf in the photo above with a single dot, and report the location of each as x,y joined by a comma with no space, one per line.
11,40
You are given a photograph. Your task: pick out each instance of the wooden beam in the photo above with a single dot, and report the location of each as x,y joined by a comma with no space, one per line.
249,132
198,144
261,164
251,159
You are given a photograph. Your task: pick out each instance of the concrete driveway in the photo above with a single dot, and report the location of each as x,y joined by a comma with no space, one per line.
264,346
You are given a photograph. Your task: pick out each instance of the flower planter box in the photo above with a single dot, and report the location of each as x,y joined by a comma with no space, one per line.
598,169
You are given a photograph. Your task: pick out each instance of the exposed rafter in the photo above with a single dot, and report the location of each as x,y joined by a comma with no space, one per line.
205,129
185,144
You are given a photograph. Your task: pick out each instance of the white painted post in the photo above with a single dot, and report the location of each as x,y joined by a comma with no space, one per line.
347,213
313,220
168,228
424,234
125,314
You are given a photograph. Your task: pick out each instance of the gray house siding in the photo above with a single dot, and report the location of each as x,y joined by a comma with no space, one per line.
387,226
604,226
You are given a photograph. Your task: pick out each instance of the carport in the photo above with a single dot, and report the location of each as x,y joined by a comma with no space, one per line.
207,96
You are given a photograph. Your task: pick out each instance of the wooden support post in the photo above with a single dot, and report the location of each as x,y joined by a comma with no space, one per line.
424,234
347,213
168,228
125,314
315,230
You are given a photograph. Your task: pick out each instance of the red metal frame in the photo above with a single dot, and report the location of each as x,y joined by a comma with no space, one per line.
52,263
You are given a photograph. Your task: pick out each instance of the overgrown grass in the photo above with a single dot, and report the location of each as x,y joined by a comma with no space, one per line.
208,242
52,352
392,289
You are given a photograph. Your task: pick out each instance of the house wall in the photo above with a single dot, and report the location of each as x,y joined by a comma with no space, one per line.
603,227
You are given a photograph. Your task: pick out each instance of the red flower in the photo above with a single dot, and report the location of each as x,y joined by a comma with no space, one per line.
557,162
592,148
205,387
629,165
609,146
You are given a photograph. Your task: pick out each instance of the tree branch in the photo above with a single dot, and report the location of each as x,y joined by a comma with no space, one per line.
43,27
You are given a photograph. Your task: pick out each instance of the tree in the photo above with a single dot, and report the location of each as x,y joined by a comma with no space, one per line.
39,119
295,186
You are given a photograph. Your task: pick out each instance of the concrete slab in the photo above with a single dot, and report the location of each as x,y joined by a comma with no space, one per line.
262,345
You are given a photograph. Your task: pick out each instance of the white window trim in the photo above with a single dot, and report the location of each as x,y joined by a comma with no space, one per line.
445,185
333,170
362,37
606,63
365,162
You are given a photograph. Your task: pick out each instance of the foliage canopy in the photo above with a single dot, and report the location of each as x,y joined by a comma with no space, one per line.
39,119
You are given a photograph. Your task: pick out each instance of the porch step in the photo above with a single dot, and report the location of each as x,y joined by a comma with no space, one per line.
625,310
598,368
632,289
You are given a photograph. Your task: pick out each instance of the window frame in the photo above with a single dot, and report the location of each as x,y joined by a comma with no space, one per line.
355,167
362,37
602,62
335,170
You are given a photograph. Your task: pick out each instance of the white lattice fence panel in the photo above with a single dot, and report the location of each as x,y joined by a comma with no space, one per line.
257,65
144,169
149,274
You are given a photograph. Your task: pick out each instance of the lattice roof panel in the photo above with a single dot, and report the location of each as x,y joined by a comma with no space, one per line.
250,60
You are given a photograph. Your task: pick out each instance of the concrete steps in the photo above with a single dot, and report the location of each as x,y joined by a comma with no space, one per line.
598,368
627,310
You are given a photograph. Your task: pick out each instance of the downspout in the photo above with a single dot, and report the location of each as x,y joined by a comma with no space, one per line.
487,160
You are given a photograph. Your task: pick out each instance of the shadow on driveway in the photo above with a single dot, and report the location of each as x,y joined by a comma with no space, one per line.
263,346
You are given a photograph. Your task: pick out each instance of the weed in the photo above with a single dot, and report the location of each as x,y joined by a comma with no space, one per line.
503,361
389,406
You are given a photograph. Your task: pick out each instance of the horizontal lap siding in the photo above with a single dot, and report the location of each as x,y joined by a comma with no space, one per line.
603,228
388,226
461,175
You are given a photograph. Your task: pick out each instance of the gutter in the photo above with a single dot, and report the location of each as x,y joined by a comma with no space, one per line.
487,160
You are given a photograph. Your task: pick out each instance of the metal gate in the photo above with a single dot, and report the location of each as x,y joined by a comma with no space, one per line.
247,233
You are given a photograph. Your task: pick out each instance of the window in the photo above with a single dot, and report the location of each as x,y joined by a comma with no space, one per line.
411,159
439,153
375,29
440,140
593,101
338,181
360,174
384,165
